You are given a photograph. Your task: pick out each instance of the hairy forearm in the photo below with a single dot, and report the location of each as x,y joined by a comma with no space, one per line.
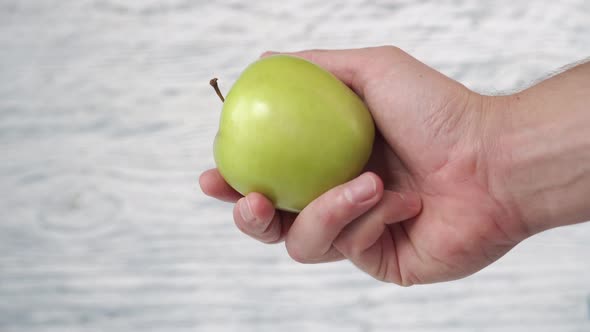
543,144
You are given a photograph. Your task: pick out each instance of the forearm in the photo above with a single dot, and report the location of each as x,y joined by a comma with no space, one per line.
543,141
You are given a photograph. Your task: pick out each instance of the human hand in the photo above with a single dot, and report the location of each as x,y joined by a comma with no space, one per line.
424,210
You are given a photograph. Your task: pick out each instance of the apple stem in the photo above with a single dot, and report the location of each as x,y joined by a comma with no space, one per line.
213,83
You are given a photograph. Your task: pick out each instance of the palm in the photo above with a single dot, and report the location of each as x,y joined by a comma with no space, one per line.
458,231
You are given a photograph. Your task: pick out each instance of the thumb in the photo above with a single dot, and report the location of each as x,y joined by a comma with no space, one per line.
354,67
320,222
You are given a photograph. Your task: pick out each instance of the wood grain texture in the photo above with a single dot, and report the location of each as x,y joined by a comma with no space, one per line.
107,118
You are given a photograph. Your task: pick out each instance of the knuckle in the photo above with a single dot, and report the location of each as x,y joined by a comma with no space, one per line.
356,249
297,255
263,231
331,215
327,218
271,235
242,227
259,227
390,49
273,240
350,248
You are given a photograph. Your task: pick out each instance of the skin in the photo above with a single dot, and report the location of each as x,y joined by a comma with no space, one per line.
455,179
280,137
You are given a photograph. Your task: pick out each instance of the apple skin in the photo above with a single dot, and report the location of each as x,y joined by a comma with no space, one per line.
291,130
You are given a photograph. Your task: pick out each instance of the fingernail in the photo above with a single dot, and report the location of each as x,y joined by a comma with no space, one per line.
246,211
361,189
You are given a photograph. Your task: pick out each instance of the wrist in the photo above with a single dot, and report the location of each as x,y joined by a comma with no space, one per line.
539,160
497,156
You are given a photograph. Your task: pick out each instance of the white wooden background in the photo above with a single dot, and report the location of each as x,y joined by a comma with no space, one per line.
106,120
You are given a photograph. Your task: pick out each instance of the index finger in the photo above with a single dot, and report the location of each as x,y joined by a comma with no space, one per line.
354,67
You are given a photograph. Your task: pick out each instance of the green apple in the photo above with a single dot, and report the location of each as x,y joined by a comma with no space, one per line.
291,131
